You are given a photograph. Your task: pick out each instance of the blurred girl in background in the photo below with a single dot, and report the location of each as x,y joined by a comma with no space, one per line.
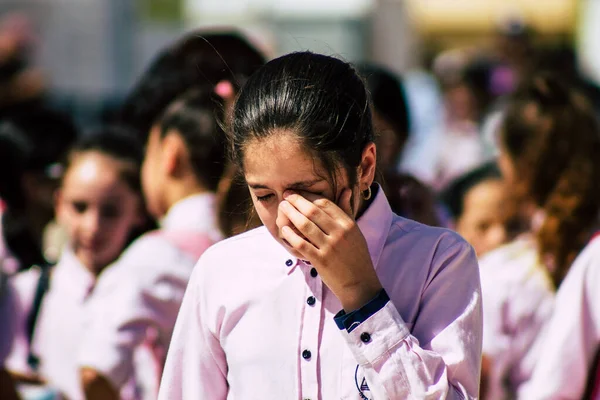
481,209
100,205
136,303
550,147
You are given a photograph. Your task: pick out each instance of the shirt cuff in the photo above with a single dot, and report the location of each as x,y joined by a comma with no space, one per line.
352,320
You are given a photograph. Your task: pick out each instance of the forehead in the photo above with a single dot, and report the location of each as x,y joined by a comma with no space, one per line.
280,159
486,196
93,171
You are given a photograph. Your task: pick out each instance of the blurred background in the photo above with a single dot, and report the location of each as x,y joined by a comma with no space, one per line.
90,52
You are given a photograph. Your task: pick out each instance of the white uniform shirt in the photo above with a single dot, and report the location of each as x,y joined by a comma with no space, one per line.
257,323
142,292
518,298
573,334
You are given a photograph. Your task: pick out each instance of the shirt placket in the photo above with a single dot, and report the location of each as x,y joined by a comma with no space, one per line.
309,339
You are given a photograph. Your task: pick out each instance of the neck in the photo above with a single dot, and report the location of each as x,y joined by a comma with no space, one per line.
179,190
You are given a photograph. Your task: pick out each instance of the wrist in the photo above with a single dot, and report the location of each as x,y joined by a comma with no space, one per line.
356,297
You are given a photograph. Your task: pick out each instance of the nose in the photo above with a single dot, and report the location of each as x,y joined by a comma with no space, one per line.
92,222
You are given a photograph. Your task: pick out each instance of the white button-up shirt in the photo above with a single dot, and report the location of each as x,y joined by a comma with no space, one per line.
518,299
573,335
257,323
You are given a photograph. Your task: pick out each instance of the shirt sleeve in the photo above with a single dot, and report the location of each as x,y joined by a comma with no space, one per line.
397,366
573,335
142,293
196,367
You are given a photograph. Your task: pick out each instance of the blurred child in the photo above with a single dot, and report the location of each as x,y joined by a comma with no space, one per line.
550,147
482,212
32,145
136,302
100,205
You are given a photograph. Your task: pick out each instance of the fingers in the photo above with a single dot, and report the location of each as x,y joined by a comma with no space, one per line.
298,243
305,226
311,210
340,211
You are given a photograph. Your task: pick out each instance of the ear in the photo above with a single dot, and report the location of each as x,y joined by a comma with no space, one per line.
173,150
367,167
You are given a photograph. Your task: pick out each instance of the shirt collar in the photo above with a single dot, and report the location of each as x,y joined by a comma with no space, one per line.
196,212
374,224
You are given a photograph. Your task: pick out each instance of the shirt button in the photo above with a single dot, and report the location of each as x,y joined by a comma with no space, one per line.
306,354
313,272
311,301
289,263
365,337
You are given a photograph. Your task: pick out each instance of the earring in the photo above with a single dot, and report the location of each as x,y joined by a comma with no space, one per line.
366,194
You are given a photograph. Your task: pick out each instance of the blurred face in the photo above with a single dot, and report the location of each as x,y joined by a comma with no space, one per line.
483,222
279,164
97,208
388,145
152,175
461,103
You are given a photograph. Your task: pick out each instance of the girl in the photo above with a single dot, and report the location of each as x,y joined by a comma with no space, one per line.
550,149
335,297
100,205
482,212
136,303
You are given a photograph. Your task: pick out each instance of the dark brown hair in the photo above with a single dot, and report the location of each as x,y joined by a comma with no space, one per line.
321,98
551,135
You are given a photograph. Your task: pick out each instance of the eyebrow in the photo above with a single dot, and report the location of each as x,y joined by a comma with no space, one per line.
294,186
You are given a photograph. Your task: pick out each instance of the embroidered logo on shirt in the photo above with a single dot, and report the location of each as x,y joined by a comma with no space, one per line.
363,387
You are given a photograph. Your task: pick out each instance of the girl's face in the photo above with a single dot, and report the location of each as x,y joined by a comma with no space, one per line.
483,222
97,208
279,165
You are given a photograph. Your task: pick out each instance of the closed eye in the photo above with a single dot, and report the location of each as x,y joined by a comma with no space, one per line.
265,197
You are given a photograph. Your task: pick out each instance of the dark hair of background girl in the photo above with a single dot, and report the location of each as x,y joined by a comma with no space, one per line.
318,98
32,141
197,117
388,97
197,59
551,135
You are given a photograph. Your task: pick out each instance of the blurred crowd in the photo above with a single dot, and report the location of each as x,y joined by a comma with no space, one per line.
499,144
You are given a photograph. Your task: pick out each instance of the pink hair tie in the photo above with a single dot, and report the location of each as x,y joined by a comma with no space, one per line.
224,89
